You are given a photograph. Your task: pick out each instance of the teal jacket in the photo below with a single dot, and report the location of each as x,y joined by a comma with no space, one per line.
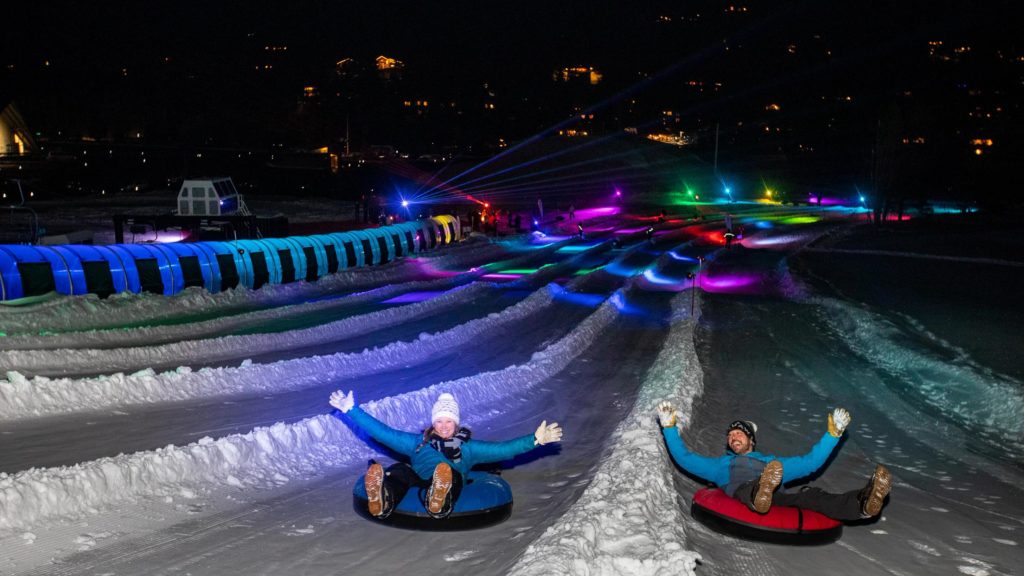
729,470
424,458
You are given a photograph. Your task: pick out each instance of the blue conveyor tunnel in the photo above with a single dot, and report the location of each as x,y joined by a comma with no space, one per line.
168,268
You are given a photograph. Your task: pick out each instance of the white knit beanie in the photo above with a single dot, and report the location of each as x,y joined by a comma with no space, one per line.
445,407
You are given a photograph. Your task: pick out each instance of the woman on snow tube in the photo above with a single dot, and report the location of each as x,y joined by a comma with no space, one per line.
440,458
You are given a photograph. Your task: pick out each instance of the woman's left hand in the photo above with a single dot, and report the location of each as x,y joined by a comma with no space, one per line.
547,433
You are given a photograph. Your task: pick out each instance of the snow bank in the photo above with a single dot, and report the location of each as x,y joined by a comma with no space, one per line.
941,379
22,397
629,520
267,456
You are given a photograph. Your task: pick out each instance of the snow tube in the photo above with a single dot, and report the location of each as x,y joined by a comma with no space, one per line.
781,525
485,500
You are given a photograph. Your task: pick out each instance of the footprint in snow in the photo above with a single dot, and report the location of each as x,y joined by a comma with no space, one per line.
301,531
924,548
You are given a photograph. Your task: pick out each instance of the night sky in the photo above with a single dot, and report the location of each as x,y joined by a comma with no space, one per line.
233,73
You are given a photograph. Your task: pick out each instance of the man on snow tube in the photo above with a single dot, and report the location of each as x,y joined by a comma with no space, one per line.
440,457
753,478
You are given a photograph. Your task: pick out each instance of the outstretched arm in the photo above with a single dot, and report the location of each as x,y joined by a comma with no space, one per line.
484,451
498,451
401,442
715,470
796,467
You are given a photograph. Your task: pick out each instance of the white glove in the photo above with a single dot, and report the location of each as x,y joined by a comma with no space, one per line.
838,420
342,401
667,414
547,433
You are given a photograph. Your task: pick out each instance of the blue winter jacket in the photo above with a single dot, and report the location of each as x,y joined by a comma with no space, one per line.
424,458
729,470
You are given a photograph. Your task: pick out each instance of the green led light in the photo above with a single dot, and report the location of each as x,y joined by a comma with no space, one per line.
801,220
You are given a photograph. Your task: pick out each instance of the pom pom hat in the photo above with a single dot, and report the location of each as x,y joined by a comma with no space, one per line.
445,407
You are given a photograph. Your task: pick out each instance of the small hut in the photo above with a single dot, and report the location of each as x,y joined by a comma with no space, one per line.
208,197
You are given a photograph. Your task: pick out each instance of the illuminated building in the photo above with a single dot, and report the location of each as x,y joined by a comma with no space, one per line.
15,139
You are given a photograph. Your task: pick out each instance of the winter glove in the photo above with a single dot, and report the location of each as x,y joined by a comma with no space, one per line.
342,402
838,420
547,433
667,414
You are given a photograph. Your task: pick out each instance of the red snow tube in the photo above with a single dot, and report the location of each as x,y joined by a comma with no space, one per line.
781,525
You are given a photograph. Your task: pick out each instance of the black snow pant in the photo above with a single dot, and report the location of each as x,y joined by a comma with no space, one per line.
845,506
400,477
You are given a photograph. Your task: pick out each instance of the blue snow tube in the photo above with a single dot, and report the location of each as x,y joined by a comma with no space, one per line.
486,499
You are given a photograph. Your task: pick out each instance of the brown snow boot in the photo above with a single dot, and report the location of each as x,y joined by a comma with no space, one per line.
375,490
875,492
440,487
771,477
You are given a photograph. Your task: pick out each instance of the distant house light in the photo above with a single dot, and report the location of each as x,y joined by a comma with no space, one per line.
386,63
592,75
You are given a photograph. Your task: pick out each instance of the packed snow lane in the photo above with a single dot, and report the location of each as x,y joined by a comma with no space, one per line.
308,527
956,505
75,438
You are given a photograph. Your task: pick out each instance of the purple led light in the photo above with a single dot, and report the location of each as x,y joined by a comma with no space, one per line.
587,213
410,297
728,282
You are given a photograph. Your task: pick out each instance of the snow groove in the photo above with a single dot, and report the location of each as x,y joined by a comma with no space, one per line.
266,456
225,347
211,328
22,397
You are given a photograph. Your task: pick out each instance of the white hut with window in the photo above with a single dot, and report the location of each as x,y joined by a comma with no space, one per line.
209,197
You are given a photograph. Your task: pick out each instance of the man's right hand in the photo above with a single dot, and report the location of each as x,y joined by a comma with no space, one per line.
667,415
342,401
